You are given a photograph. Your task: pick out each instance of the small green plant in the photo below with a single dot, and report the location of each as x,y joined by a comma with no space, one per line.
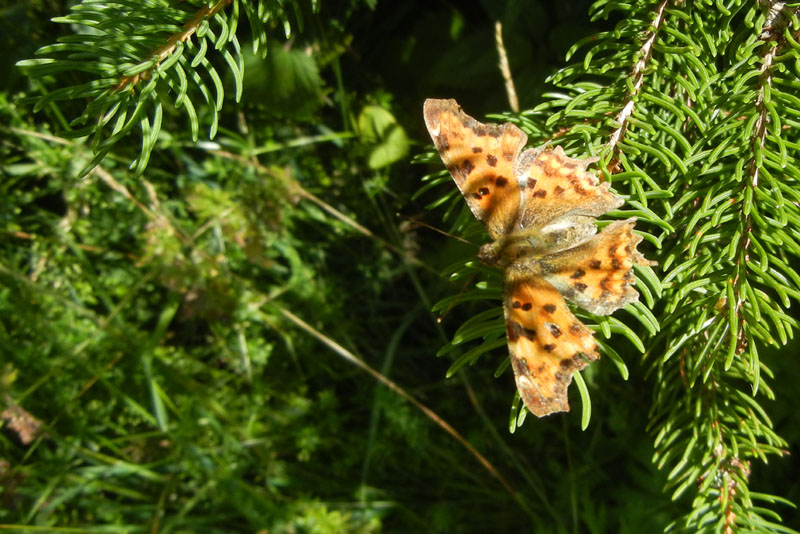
202,274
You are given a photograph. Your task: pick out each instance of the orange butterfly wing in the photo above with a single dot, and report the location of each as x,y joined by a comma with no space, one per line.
481,158
557,186
597,275
547,343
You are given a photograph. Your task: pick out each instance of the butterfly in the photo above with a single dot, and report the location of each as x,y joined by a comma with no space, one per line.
539,207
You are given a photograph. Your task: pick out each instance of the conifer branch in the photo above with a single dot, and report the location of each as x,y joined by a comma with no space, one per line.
638,78
168,48
774,27
699,111
131,66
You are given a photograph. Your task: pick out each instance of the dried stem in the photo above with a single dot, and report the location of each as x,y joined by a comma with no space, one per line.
505,70
352,358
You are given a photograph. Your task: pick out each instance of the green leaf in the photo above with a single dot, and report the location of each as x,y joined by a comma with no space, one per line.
286,82
379,129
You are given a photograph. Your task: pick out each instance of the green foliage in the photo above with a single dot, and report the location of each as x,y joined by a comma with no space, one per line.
178,336
141,59
693,101
380,130
140,314
285,82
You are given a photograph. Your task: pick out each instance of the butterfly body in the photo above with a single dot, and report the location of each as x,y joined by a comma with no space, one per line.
539,207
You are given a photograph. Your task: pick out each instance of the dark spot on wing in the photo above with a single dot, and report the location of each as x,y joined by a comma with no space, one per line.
549,308
477,150
491,160
501,181
554,329
514,330
579,273
467,167
566,363
616,264
527,306
576,329
531,183
490,130
516,305
580,286
444,145
558,191
508,156
541,193
550,347
483,191
595,264
521,366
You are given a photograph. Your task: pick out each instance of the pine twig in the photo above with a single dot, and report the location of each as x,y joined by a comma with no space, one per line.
638,76
165,50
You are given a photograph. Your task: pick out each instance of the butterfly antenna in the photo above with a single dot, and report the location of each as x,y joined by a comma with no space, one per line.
417,222
455,300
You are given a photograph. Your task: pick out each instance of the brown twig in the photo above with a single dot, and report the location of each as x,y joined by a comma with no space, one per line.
775,23
505,70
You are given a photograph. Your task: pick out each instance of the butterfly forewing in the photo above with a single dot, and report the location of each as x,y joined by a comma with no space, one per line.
481,159
557,186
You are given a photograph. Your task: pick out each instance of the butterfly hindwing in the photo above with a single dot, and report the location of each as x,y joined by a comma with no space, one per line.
481,158
598,274
546,342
